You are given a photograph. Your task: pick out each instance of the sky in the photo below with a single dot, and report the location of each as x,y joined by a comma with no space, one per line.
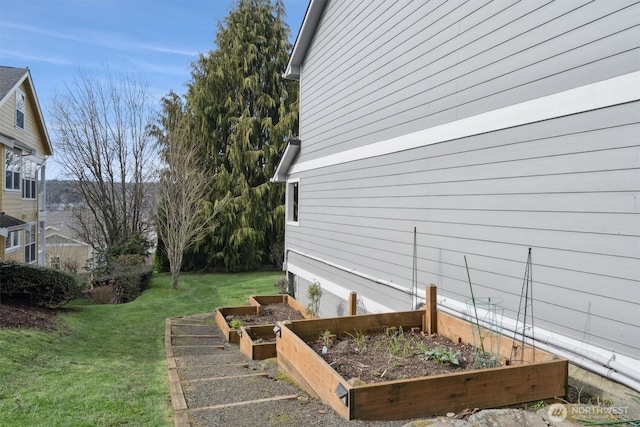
159,39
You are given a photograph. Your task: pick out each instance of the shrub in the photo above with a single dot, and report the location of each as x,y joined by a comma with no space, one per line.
38,285
128,281
107,294
283,285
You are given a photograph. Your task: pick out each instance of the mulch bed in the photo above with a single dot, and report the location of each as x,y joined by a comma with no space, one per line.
384,357
19,315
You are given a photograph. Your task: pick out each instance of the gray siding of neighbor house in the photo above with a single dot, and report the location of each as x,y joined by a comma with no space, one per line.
567,187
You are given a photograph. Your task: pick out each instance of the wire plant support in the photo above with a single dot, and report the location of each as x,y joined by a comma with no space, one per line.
486,328
524,319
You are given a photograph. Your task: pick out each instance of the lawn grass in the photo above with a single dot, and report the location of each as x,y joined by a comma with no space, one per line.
105,365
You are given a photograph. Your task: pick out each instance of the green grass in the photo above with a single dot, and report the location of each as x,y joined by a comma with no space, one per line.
105,365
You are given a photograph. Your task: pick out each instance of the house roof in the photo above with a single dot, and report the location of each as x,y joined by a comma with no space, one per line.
8,221
305,36
59,239
287,159
10,80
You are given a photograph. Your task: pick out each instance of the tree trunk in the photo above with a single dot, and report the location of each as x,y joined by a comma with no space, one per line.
174,278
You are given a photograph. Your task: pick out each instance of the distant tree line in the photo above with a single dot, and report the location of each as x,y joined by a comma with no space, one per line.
60,192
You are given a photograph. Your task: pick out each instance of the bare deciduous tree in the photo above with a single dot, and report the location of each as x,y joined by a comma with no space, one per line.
185,212
102,142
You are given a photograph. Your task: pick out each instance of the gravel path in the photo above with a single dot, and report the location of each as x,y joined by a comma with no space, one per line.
213,384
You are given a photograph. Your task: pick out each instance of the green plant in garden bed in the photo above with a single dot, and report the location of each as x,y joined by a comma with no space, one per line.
235,324
440,354
106,365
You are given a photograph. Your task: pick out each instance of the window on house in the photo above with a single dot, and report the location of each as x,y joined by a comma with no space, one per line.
29,180
12,170
20,109
30,243
292,196
12,241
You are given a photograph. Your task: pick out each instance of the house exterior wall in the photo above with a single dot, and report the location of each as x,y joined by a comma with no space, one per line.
384,70
566,186
33,135
33,132
69,256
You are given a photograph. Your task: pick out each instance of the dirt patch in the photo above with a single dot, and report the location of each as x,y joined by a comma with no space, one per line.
271,314
393,355
18,315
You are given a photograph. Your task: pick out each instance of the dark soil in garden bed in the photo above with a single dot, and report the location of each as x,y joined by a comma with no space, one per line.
271,314
393,355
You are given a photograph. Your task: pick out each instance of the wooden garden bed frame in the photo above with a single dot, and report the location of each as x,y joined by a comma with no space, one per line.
541,376
230,334
245,335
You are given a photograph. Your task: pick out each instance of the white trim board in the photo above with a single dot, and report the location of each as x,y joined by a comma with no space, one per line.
606,93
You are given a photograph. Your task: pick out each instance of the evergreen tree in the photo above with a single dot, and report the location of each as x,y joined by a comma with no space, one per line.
244,112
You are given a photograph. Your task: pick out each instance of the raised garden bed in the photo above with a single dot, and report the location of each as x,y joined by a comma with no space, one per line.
255,323
539,377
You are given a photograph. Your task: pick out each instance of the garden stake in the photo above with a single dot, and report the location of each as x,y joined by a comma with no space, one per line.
475,309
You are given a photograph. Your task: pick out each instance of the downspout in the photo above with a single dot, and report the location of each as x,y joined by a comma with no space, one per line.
606,367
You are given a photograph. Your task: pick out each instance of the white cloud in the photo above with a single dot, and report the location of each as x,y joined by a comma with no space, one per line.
40,58
109,40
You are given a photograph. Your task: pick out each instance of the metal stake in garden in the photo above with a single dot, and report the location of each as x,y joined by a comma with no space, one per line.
475,308
524,320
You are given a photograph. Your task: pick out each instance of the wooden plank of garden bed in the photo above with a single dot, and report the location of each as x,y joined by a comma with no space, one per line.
258,300
294,358
308,329
258,351
267,299
439,394
457,329
231,335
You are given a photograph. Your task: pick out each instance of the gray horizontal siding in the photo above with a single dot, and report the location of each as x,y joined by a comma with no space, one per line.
333,305
388,69
569,188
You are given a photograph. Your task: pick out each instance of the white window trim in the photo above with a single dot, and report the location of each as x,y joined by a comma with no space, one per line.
33,230
289,202
9,238
18,154
23,110
28,166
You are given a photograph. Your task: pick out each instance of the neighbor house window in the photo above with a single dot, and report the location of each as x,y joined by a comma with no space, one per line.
29,180
12,170
30,243
292,196
13,241
20,109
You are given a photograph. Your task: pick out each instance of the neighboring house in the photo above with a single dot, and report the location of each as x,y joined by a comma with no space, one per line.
25,146
65,253
435,131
